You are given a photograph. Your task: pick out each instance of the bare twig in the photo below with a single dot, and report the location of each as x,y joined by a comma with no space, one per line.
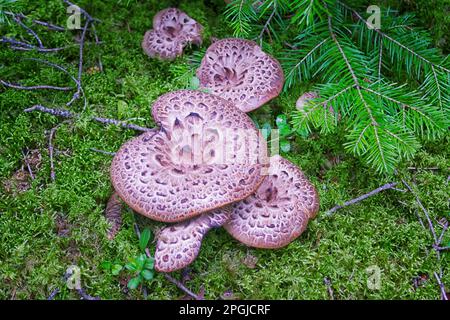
327,282
17,18
86,296
68,114
38,22
441,248
360,198
441,286
266,25
28,164
182,287
53,294
50,152
427,215
20,87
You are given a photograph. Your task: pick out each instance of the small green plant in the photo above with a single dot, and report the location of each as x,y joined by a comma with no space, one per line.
141,266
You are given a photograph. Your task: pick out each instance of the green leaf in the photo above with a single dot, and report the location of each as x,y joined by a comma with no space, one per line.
147,274
145,238
115,270
106,265
134,282
149,263
132,266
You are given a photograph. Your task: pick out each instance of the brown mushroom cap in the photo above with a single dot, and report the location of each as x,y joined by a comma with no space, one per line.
279,210
239,71
172,31
179,245
206,155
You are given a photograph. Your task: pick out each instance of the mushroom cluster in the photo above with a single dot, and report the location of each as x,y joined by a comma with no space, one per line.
207,166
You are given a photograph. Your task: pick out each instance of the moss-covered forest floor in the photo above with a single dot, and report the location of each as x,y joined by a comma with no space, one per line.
47,226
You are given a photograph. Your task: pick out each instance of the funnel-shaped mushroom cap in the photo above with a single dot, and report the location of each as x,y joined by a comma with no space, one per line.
179,245
172,31
279,210
206,155
239,71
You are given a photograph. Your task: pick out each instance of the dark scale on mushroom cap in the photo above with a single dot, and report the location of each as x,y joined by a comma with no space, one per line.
179,245
279,210
185,169
172,31
239,71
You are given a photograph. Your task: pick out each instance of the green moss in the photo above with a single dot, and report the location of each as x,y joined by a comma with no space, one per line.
382,231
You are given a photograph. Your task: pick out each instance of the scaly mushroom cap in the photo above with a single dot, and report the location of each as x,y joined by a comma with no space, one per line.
304,98
172,31
279,210
179,245
206,155
239,71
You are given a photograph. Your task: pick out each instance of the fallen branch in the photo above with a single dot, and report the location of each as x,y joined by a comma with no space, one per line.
360,198
20,87
67,114
430,223
441,286
38,22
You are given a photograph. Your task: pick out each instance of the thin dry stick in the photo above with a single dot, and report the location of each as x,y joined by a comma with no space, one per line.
42,23
50,152
441,286
86,296
68,114
430,223
327,282
360,198
20,87
182,287
29,30
28,164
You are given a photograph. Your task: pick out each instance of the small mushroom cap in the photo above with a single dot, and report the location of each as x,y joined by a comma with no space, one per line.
239,71
172,31
279,210
304,98
206,155
179,245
